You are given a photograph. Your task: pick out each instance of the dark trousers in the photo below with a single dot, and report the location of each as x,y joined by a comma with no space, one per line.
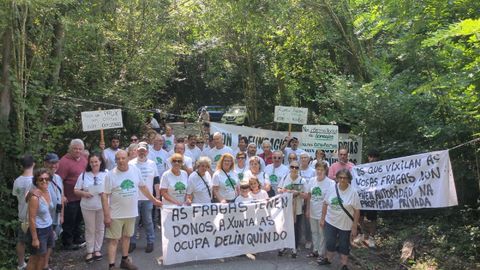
72,219
297,227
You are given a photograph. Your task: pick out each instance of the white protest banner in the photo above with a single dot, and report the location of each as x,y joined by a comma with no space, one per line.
232,133
412,182
212,231
97,120
319,137
290,115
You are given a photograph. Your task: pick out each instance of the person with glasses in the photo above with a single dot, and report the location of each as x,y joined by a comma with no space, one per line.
225,181
241,167
276,171
342,163
90,188
187,164
294,183
173,183
134,139
199,187
40,233
340,227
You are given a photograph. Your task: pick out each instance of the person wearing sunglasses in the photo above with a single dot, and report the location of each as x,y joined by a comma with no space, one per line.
173,183
199,188
89,187
294,183
40,234
134,139
276,171
225,181
241,166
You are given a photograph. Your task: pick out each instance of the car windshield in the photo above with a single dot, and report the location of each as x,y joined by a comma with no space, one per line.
214,108
236,110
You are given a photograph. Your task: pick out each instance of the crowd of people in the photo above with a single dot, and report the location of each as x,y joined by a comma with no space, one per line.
116,192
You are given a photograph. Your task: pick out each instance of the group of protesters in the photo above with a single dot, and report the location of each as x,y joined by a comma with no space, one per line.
114,193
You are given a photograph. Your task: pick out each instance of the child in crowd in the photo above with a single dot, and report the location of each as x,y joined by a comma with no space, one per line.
255,189
244,193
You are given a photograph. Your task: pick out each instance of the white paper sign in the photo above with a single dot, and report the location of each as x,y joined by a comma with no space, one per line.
96,120
319,137
412,182
212,231
291,115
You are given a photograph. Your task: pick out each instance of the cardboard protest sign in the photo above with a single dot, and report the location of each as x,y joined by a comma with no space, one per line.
211,231
97,120
291,115
412,182
319,137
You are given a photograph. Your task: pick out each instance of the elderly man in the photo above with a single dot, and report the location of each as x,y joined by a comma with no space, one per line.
276,171
120,207
187,161
252,152
70,167
267,152
158,154
342,163
149,172
218,150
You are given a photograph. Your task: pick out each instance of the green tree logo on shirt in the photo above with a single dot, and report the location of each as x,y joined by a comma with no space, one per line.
240,176
127,184
180,187
159,160
168,142
217,158
336,201
273,179
317,192
230,183
289,187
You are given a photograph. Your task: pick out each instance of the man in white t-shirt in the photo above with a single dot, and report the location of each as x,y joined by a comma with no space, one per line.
252,152
192,150
276,171
158,154
21,186
169,138
242,146
187,161
120,207
149,172
290,145
218,150
109,153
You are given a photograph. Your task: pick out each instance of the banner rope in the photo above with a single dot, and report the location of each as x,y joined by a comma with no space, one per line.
465,143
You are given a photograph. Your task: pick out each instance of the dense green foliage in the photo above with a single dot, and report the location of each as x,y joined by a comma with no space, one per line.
403,74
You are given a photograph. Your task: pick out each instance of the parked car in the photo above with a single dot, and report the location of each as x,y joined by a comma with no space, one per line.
237,115
216,112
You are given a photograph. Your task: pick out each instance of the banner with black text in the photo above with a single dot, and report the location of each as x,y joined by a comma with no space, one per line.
412,182
212,231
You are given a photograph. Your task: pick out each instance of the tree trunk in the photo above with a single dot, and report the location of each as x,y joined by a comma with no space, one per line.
6,96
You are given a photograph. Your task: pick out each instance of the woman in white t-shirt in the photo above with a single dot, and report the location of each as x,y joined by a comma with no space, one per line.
256,191
173,184
338,225
316,191
199,188
255,170
241,166
89,187
225,182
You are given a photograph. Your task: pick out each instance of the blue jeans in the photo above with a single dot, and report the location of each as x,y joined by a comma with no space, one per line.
144,213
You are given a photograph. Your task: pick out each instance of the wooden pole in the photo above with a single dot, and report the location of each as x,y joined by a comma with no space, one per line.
289,129
102,137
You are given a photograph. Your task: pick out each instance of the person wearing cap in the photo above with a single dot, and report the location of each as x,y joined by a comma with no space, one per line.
290,145
57,196
89,187
70,167
149,172
204,115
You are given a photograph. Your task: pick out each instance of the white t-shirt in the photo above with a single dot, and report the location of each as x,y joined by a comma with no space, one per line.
262,177
298,185
240,172
21,186
289,150
148,169
196,187
226,188
318,190
261,195
240,198
89,184
214,154
169,142
276,175
187,162
237,150
55,189
262,162
194,153
176,185
123,189
308,173
335,214
109,157
160,158
314,162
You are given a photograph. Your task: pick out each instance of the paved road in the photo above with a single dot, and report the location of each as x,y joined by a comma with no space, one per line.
73,260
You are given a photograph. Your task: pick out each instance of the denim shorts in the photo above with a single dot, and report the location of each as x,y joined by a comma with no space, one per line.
332,234
21,236
46,239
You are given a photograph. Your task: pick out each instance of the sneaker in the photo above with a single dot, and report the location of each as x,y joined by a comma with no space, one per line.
344,267
23,267
132,247
282,252
149,248
127,264
308,245
323,261
294,254
251,256
358,240
371,242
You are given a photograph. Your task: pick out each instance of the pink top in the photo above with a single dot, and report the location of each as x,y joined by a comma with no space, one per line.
337,166
69,169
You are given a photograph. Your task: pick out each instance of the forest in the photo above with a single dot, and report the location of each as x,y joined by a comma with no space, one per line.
404,75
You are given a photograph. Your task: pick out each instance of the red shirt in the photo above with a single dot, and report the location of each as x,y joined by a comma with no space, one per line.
268,160
337,166
69,169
